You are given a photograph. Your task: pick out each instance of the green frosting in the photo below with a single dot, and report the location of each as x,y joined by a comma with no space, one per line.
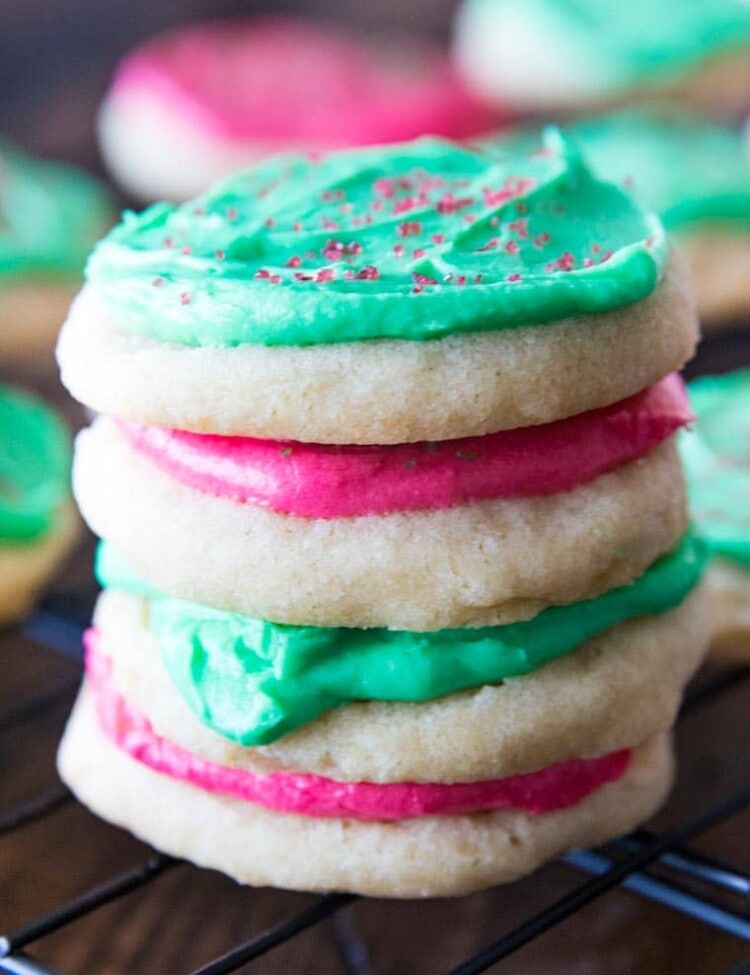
688,169
716,455
626,43
34,466
254,681
415,241
50,216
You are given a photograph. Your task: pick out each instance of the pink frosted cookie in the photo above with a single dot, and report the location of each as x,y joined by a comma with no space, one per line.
195,104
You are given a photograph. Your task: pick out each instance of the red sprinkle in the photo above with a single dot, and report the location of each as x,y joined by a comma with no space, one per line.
438,238
409,228
513,277
491,245
398,250
449,203
541,239
423,278
157,282
220,255
324,275
335,250
419,252
511,247
368,273
185,298
384,187
330,224
187,249
293,261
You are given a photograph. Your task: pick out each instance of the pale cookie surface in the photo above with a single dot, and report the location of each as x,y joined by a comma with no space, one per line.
477,564
26,566
608,694
380,391
720,264
31,312
259,847
729,589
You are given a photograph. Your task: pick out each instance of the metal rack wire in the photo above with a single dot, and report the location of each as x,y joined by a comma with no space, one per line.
661,868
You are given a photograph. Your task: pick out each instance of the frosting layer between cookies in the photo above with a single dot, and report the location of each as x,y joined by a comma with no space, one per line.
716,455
322,481
416,241
253,681
555,787
34,466
50,216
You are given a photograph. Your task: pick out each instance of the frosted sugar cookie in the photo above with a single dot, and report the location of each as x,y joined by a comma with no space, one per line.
716,453
548,55
50,217
433,291
454,533
37,524
201,101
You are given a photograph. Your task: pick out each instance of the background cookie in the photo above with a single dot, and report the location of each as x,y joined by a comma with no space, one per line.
37,522
551,55
50,217
202,101
717,470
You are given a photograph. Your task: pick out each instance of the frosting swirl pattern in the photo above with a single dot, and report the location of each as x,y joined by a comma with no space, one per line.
416,241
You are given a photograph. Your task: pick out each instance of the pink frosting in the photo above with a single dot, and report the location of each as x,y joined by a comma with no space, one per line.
287,80
550,789
322,481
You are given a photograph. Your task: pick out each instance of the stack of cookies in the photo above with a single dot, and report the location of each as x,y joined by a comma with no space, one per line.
399,597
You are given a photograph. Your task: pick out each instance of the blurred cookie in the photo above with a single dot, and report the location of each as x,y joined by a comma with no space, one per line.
545,56
50,217
199,102
37,523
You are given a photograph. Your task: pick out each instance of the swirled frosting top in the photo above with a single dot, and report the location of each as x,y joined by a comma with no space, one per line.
691,170
716,454
415,241
614,45
34,465
50,215
240,80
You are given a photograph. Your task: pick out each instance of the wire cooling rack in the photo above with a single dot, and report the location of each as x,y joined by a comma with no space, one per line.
661,868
